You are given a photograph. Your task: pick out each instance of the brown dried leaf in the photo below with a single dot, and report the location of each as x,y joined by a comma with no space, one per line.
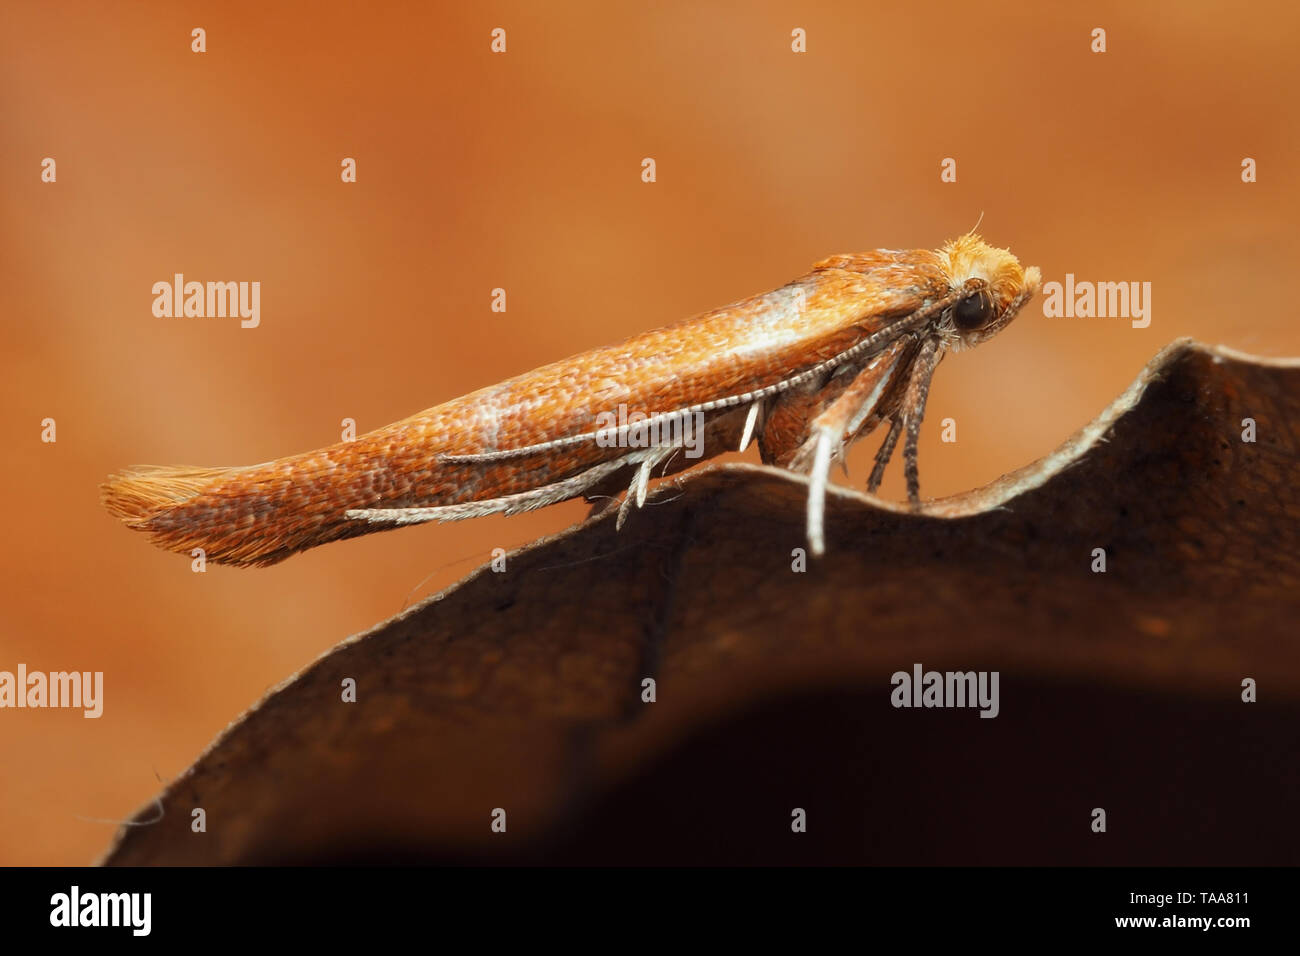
1121,690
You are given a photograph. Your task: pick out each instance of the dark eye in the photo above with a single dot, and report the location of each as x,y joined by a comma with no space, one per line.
973,312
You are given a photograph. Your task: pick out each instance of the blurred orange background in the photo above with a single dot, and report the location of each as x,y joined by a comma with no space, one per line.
522,170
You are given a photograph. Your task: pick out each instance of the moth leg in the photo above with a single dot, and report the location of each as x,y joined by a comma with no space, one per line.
885,453
913,410
507,504
828,432
788,438
817,480
640,481
751,420
635,492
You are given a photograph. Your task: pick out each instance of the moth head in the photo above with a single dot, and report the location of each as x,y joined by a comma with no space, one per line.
992,287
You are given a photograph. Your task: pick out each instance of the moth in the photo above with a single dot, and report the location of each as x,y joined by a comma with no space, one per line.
805,370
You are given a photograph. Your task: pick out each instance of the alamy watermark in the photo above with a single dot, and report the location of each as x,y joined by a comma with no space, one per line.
1102,300
130,910
213,300
624,429
922,688
70,689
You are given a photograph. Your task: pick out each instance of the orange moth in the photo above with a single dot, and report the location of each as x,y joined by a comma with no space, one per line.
805,369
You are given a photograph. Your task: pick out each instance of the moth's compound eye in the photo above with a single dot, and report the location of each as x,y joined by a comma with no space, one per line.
974,312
